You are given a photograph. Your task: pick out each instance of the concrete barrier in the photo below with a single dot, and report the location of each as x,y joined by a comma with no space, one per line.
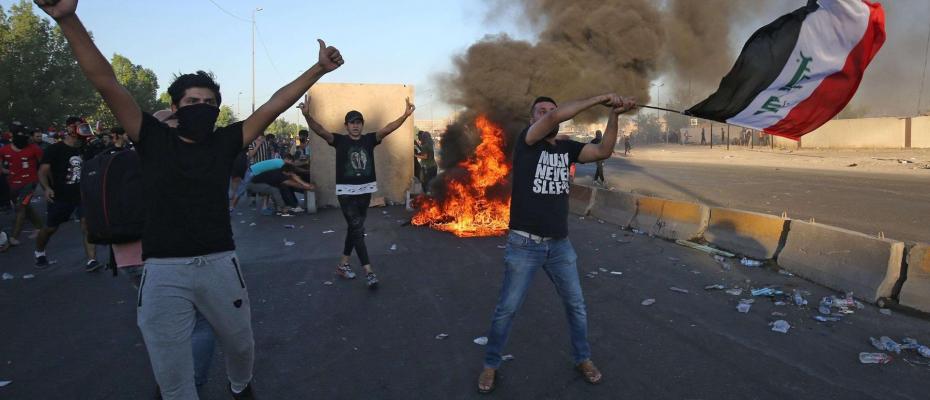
614,207
843,260
915,293
751,234
670,219
581,199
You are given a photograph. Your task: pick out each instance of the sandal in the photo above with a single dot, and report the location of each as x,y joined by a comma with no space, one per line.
589,372
488,374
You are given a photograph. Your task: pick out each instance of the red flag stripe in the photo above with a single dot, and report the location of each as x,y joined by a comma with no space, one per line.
837,89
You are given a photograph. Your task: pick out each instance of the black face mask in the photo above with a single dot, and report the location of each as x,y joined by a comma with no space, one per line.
20,141
196,122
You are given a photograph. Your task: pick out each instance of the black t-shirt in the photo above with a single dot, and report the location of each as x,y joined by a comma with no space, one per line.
66,163
186,188
274,178
355,164
539,198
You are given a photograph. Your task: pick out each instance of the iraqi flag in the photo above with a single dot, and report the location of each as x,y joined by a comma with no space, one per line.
798,72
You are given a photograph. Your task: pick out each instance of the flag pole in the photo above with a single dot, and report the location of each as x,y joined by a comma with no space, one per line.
660,109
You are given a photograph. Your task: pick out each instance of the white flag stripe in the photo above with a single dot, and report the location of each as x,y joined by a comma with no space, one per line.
827,37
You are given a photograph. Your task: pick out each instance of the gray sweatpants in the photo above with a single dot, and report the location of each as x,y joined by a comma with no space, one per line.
171,291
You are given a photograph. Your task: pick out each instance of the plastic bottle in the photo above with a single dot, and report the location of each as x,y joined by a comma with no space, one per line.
743,307
877,344
924,351
890,345
874,358
750,262
781,326
799,299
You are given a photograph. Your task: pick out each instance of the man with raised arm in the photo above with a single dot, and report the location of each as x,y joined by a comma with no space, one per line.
190,263
355,179
538,237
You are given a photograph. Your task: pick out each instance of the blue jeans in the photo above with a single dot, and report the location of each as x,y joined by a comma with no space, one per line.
522,259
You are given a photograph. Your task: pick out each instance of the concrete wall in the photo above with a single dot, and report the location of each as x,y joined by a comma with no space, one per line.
380,104
920,133
857,133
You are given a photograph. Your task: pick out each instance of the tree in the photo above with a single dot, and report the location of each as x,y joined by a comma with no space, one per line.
282,128
226,117
41,82
141,83
164,101
648,129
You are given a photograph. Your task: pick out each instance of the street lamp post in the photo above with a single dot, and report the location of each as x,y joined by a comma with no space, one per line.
253,56
659,103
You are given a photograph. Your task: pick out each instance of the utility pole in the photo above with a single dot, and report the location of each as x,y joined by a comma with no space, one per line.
253,56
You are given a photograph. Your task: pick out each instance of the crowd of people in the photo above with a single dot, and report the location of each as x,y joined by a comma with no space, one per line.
177,244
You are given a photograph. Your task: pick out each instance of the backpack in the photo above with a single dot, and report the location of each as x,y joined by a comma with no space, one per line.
111,197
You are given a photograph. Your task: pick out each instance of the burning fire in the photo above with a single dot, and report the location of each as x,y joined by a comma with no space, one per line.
467,210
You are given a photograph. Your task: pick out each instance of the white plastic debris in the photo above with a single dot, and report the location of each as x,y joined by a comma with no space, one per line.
743,307
734,291
885,311
602,269
5,383
7,276
781,326
28,276
616,273
507,357
481,341
500,246
750,262
288,243
328,283
648,302
252,224
679,290
393,247
329,231
442,336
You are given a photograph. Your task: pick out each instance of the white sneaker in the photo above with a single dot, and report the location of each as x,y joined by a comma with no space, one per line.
297,210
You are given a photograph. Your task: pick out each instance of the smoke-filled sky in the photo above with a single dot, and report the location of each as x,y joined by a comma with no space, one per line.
587,47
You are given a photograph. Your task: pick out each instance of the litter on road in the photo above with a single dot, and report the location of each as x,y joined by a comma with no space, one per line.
715,287
507,357
616,273
679,290
706,249
481,341
442,336
743,307
329,231
750,262
781,326
648,302
734,291
874,358
7,276
28,276
288,243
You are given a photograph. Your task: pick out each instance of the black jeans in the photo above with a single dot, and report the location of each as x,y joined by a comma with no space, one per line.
355,209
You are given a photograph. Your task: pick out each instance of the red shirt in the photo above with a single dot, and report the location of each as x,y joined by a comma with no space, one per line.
23,165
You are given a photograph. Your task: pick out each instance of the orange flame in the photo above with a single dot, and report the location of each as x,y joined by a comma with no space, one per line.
466,209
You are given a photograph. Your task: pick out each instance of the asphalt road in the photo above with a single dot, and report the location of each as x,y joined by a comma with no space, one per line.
67,334
898,205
